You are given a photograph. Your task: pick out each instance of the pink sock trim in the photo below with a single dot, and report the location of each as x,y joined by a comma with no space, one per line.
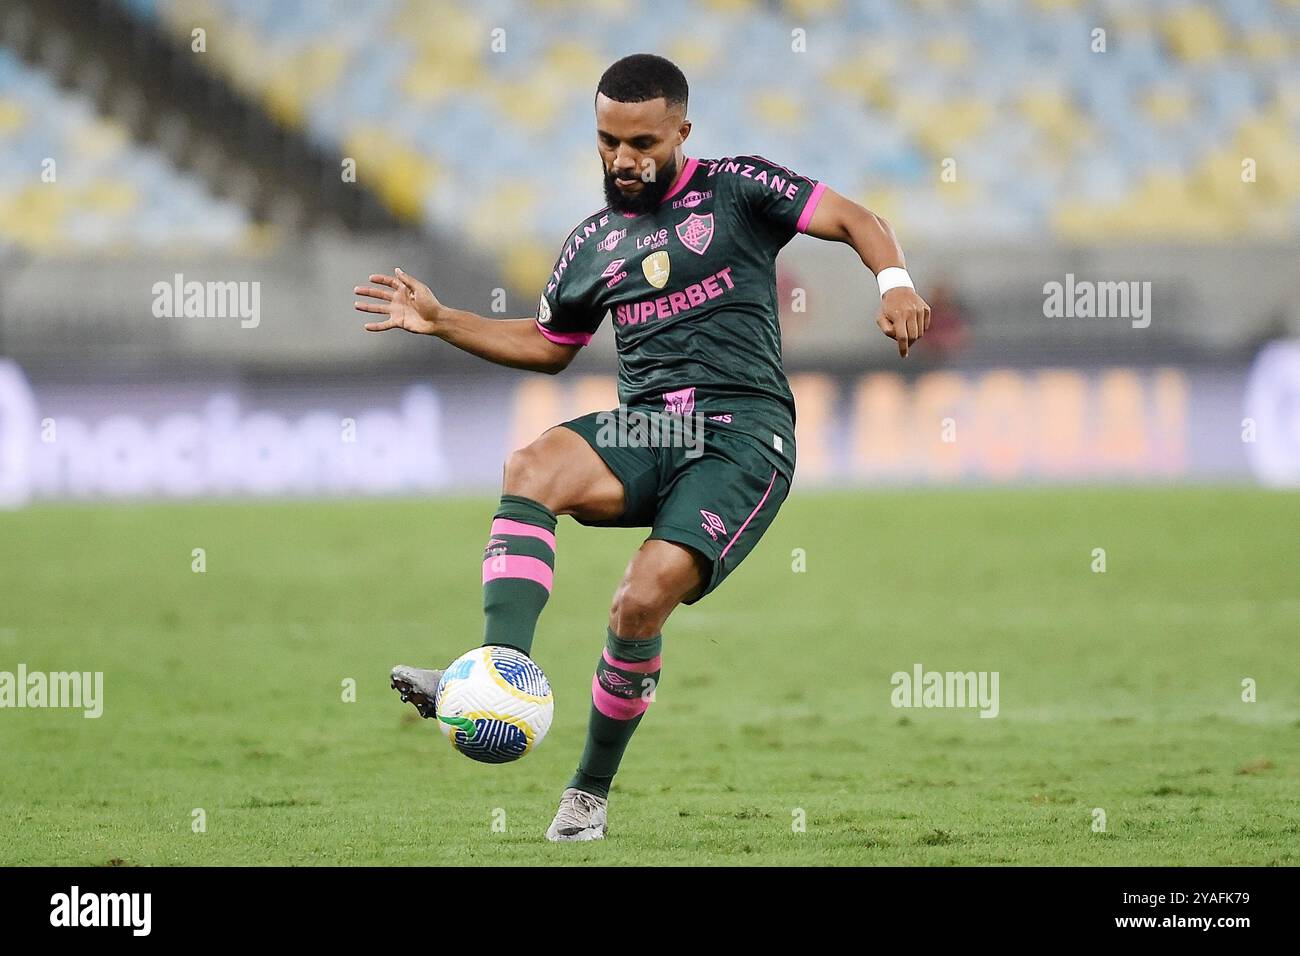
518,566
616,708
508,526
637,667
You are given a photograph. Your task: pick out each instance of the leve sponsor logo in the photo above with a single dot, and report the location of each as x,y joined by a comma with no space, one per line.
655,240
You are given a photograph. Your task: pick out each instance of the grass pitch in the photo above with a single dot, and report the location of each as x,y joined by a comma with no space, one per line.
1119,691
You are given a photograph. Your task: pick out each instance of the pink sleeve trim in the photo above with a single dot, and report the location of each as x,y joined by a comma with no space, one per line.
564,338
810,207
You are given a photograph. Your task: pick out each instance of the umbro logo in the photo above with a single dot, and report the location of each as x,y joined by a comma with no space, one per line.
615,273
712,524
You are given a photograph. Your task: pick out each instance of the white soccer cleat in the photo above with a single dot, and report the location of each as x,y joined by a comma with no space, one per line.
417,686
581,817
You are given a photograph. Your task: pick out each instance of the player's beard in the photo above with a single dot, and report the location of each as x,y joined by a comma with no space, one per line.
650,194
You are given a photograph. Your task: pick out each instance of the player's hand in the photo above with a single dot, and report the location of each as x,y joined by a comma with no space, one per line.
904,317
403,300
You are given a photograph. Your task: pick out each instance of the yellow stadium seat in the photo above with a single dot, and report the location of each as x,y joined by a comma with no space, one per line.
691,55
1265,47
12,116
110,196
778,107
950,52
97,141
811,8
301,77
526,264
400,174
432,78
501,214
33,218
574,64
1167,105
533,107
1195,34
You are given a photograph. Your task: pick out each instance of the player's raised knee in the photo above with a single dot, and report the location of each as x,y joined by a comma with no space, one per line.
529,473
640,607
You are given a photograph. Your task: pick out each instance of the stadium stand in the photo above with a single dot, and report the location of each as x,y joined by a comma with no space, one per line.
1142,133
113,193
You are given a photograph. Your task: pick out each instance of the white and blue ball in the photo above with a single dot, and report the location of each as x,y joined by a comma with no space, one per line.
494,704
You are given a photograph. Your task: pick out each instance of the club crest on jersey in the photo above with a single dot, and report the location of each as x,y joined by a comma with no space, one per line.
696,232
656,268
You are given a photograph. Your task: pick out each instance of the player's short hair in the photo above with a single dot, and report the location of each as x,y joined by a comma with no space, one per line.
644,76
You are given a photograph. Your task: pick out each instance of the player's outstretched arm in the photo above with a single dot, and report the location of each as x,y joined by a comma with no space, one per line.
407,303
904,315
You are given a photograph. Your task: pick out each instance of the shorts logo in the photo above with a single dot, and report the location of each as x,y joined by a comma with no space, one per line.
656,268
696,232
612,239
543,311
712,524
680,402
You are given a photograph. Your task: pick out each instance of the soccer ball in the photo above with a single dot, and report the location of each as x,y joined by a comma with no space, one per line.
494,704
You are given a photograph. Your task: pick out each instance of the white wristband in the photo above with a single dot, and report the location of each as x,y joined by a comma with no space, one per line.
893,278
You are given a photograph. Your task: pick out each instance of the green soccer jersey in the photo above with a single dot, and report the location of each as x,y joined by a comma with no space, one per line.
691,290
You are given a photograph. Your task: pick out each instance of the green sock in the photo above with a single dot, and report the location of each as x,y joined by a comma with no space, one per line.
518,565
627,676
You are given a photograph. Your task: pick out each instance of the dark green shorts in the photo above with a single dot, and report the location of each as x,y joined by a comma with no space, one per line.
717,497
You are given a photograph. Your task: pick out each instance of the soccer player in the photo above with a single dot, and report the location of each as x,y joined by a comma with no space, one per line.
683,258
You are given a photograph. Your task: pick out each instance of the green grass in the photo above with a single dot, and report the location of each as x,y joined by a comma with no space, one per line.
1119,690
